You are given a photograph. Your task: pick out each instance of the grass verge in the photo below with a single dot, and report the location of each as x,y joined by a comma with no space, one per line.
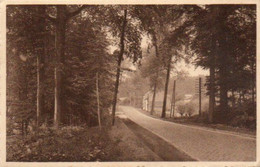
79,144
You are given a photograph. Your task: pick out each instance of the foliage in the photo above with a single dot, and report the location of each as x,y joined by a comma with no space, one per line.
189,109
221,40
73,143
22,47
181,109
152,68
186,109
87,54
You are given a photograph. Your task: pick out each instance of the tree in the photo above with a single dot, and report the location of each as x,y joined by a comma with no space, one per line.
27,42
151,22
189,109
152,68
124,28
223,54
63,15
41,62
26,39
181,109
172,47
119,60
87,54
98,102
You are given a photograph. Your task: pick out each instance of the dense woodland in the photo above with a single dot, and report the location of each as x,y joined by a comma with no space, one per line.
61,70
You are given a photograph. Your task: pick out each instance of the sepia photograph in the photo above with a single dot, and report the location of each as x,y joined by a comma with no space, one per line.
131,83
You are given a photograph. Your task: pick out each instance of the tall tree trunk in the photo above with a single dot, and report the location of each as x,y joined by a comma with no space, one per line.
166,88
60,48
154,95
253,82
223,89
199,96
119,60
224,64
98,107
212,92
157,73
173,99
63,107
41,52
223,101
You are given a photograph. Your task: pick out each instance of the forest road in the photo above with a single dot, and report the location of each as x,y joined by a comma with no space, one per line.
199,143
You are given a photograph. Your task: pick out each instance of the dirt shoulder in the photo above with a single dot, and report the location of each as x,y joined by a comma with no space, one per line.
128,146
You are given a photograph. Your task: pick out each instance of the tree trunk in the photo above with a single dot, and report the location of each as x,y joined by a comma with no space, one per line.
41,52
120,57
173,99
211,92
166,88
153,100
224,64
199,96
223,106
253,82
60,48
157,74
98,108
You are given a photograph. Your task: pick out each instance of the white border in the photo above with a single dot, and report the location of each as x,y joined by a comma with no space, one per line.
109,164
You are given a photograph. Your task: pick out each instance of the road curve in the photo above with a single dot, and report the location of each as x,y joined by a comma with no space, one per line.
199,143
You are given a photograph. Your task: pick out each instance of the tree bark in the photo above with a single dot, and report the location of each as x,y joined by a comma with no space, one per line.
153,100
166,88
224,64
212,81
223,90
62,17
173,99
212,93
157,74
98,107
199,96
60,50
41,52
120,57
253,82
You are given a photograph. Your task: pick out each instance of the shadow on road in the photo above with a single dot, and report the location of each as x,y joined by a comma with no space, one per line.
159,146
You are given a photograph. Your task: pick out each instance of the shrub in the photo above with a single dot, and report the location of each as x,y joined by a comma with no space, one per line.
189,109
181,109
185,109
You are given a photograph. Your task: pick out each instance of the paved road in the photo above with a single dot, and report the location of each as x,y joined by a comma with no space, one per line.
200,143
